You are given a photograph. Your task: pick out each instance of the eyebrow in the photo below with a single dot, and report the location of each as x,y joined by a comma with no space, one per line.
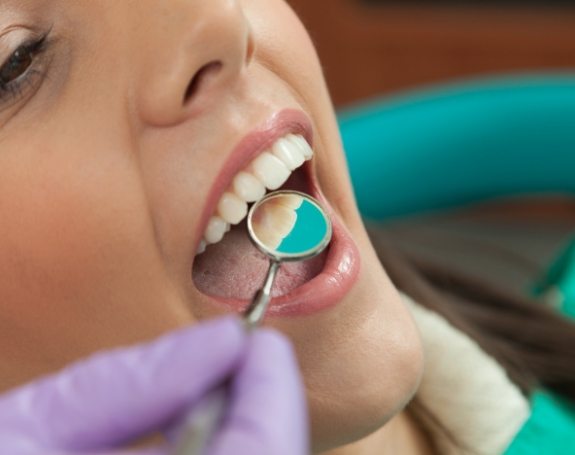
9,9
19,3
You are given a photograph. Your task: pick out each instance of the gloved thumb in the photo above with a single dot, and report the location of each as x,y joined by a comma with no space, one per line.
117,396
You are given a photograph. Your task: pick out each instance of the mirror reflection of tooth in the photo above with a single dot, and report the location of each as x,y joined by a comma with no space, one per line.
278,218
263,227
273,222
270,239
291,201
289,226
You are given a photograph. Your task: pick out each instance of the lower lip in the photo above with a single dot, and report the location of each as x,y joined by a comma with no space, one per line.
325,290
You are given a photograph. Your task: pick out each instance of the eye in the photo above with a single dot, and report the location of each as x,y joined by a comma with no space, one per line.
17,73
17,64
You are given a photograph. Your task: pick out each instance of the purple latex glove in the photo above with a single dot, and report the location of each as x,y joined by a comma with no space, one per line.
98,406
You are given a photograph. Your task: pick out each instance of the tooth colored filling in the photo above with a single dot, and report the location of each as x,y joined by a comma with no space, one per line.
270,170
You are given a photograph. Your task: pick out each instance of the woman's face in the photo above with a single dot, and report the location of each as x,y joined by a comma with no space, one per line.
122,123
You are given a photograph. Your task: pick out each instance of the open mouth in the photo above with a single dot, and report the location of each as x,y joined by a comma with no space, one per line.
228,265
229,268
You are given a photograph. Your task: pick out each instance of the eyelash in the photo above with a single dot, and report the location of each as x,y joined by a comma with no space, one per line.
15,89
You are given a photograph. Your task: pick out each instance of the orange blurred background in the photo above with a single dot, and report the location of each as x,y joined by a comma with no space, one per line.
373,48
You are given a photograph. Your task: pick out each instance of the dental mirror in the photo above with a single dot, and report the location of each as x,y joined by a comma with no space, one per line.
286,226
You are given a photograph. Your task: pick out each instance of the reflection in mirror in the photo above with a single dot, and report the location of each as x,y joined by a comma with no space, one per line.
289,225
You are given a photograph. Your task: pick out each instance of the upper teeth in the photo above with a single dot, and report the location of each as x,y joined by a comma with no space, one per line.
270,170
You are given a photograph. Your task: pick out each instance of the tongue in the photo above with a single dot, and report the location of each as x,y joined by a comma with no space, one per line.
234,268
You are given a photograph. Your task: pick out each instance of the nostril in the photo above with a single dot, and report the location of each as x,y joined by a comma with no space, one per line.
251,49
206,72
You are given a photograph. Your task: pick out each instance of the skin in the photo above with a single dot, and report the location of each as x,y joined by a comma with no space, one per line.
105,167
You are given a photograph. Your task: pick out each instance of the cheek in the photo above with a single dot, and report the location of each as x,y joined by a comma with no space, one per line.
79,268
66,214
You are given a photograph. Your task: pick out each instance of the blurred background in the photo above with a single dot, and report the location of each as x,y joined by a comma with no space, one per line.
476,177
374,47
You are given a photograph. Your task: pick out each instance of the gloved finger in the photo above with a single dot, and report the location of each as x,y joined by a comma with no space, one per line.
268,412
160,450
115,397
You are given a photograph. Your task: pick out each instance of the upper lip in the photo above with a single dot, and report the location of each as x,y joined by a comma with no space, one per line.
253,144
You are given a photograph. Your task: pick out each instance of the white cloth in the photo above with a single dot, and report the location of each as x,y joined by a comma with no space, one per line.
467,391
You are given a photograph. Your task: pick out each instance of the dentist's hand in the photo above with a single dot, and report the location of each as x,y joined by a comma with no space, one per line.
101,405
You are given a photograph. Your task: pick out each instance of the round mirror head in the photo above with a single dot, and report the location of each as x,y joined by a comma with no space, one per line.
289,226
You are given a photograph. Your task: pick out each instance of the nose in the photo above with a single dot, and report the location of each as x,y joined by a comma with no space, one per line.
199,51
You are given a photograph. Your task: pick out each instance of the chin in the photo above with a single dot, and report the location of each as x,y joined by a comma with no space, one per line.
362,361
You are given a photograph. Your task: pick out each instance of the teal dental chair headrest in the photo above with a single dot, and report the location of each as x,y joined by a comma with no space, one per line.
460,143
